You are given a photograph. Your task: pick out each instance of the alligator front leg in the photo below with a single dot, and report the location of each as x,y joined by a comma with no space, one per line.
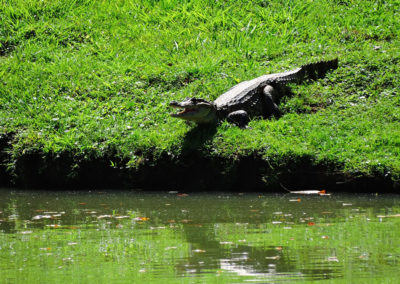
240,118
271,109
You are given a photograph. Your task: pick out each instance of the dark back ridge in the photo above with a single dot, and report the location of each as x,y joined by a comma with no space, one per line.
312,71
318,69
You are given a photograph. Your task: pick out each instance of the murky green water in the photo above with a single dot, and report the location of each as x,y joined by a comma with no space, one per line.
119,237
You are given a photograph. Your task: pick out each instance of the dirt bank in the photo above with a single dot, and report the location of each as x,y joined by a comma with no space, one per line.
190,172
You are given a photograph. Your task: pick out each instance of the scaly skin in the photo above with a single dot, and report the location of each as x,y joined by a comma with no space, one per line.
253,98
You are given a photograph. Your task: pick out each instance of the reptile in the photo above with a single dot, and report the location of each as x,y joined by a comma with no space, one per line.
253,98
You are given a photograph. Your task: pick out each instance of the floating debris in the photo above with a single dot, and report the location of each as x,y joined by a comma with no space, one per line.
333,259
38,217
199,250
226,243
295,200
104,216
388,216
273,257
169,248
121,217
307,192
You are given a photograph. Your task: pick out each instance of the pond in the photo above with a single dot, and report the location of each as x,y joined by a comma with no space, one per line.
171,237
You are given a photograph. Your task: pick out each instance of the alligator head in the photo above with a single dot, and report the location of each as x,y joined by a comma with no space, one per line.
197,110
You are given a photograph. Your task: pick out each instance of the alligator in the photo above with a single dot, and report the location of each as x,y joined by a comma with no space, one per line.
254,98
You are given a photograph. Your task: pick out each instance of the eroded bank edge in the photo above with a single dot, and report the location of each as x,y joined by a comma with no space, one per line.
192,171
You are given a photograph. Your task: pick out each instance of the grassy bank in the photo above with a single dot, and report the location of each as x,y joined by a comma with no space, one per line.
89,81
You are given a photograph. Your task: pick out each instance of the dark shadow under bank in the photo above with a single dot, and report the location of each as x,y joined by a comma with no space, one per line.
192,172
5,178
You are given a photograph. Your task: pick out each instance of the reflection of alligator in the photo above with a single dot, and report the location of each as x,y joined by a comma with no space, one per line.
257,97
249,260
208,254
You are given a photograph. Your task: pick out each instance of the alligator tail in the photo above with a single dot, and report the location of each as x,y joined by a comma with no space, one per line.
318,69
313,71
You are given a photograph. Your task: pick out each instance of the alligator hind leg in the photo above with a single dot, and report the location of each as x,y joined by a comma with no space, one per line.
239,117
271,109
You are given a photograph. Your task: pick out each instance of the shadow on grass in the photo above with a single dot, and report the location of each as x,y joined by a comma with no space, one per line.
197,137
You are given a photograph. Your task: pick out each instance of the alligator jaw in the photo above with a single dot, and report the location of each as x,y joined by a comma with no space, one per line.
185,109
183,112
196,110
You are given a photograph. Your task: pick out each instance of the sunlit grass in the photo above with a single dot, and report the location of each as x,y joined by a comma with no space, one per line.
94,79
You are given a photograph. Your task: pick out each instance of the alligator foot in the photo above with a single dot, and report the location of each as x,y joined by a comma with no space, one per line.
239,118
271,108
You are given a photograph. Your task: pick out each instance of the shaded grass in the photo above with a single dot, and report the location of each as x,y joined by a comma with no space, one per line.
94,79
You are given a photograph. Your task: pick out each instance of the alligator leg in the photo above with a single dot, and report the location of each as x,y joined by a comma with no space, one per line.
239,117
271,109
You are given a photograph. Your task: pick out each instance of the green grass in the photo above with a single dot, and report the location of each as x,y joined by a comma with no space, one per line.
94,79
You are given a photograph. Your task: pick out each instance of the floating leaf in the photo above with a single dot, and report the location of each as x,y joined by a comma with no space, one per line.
273,257
295,200
104,216
55,226
333,258
121,217
226,243
199,250
45,248
141,218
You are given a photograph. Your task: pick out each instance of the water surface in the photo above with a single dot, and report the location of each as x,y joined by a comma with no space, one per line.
131,237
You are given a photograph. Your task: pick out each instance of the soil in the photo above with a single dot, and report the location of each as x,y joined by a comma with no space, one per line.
190,172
